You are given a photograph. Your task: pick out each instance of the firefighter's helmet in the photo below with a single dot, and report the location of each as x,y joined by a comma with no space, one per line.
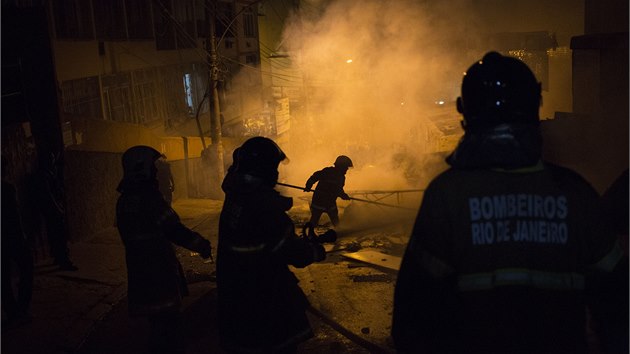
499,89
260,156
139,163
343,161
260,150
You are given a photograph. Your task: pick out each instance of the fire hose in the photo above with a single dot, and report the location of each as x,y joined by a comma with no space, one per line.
330,236
351,198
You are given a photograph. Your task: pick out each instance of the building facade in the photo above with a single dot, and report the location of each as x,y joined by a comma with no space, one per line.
83,80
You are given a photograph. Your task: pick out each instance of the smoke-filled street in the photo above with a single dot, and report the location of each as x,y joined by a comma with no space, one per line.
351,300
322,176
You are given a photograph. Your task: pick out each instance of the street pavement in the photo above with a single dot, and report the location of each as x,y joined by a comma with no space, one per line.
67,305
84,311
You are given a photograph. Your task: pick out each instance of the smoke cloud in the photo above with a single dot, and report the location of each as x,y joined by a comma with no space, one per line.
374,75
373,72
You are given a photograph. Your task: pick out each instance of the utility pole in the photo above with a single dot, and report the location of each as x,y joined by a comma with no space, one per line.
215,127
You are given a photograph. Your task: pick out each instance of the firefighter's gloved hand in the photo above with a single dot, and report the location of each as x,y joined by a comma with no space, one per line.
206,250
307,188
206,254
345,196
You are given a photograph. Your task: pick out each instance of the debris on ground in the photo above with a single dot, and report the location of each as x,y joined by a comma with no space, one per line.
375,278
352,246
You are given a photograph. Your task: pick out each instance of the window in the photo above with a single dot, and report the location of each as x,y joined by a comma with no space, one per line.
174,23
174,92
251,59
225,16
249,28
163,25
188,95
201,7
73,19
145,95
82,97
139,23
184,17
195,83
117,96
109,19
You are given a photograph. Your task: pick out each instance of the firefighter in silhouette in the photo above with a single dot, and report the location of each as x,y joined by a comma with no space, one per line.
17,258
149,227
499,253
261,306
330,182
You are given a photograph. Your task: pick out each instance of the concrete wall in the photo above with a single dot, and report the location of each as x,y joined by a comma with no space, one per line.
91,179
93,169
111,136
600,91
593,139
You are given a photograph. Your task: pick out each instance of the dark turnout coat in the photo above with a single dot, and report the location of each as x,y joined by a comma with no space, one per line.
261,307
330,182
148,228
497,262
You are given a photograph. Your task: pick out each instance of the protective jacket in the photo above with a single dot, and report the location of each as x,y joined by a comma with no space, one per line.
261,307
497,259
499,253
330,182
148,227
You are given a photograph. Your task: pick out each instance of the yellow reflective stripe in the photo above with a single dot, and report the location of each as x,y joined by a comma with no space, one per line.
521,277
249,249
610,260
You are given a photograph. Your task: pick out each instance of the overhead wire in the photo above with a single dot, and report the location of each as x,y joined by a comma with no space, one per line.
261,71
270,3
268,52
204,55
185,33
